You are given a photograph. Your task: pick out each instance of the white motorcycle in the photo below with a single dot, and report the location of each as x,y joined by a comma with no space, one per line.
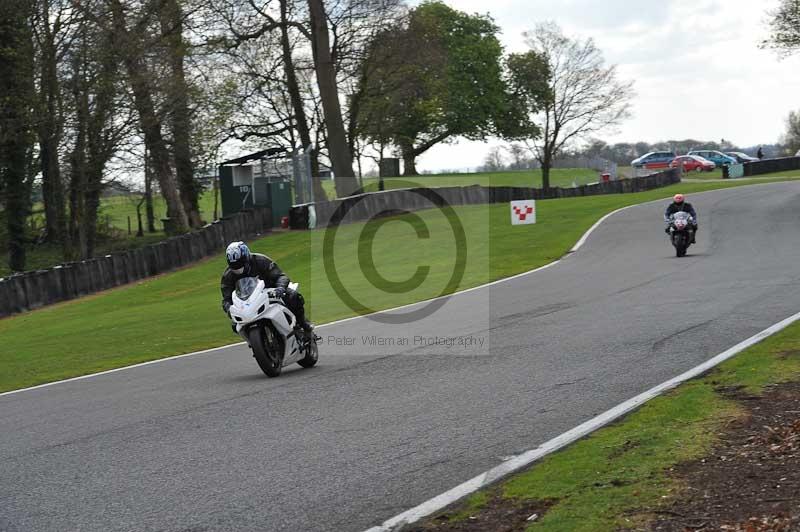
268,327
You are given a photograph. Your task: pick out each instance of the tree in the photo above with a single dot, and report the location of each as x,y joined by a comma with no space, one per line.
494,160
16,121
180,115
529,76
52,23
585,96
324,63
785,25
519,156
792,136
132,49
435,77
275,46
100,123
298,105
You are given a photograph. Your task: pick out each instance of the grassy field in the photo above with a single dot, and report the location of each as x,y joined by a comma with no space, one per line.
147,320
559,177
617,477
117,209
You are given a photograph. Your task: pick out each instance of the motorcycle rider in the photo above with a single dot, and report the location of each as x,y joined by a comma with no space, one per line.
243,263
679,204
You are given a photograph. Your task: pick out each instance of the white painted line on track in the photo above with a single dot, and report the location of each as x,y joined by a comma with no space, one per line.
525,459
575,248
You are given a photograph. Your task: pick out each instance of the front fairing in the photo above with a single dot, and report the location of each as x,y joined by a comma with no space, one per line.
259,306
249,304
680,221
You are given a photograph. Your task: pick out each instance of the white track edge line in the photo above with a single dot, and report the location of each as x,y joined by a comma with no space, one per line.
518,462
575,248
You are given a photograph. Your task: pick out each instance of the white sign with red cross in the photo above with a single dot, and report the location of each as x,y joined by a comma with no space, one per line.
523,212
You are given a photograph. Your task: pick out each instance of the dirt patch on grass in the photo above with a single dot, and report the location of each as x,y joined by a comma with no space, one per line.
496,515
751,481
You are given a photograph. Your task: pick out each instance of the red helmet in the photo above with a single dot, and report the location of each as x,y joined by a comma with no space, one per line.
678,198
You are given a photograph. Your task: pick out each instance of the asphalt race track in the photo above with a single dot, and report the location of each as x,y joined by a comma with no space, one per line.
206,443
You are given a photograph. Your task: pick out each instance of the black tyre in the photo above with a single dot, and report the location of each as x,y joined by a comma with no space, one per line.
267,349
311,356
681,243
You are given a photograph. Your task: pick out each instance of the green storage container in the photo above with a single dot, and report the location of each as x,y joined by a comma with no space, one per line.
279,198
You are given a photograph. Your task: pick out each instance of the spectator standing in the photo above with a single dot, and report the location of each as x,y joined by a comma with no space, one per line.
760,153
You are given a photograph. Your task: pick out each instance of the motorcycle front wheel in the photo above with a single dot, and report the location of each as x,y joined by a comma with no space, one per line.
266,350
680,243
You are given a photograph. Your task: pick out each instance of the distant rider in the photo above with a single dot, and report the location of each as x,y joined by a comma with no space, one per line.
680,205
243,263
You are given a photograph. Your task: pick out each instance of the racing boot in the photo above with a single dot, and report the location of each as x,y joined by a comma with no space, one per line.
308,330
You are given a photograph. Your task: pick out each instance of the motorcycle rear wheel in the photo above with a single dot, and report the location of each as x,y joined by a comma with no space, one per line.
269,355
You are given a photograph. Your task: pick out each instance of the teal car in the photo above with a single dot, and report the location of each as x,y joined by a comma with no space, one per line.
716,157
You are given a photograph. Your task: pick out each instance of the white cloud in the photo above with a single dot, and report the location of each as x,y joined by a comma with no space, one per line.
697,66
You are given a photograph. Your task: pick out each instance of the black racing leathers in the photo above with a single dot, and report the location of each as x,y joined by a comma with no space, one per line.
685,206
264,268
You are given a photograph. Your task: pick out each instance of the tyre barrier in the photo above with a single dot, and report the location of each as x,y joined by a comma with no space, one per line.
35,289
769,166
371,204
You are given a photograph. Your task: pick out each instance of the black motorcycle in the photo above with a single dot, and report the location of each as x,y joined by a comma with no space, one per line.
681,226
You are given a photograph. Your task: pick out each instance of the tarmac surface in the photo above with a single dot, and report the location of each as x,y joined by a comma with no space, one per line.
206,442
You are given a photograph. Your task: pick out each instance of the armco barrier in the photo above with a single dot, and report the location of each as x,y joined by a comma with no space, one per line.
35,289
373,204
769,166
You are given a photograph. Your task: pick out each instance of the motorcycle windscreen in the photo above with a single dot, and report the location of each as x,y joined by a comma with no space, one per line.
683,216
245,287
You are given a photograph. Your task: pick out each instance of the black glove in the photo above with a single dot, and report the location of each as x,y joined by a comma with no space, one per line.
666,229
226,307
279,292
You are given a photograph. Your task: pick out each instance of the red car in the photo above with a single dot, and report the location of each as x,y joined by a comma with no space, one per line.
692,163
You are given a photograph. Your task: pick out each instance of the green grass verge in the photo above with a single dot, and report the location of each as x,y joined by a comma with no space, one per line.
617,477
179,312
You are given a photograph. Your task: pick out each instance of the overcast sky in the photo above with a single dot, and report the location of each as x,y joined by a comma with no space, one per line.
697,67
